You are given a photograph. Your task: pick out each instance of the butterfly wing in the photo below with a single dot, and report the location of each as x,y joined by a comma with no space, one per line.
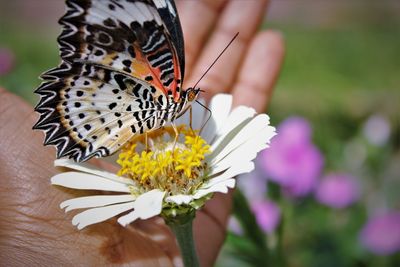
122,62
91,111
140,38
168,12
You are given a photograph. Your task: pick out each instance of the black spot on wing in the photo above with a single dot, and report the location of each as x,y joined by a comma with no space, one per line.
119,78
112,106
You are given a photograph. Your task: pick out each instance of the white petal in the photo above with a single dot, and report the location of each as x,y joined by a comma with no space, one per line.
221,187
95,201
80,180
247,132
179,199
184,119
146,206
197,116
86,167
237,169
101,214
236,117
245,152
220,107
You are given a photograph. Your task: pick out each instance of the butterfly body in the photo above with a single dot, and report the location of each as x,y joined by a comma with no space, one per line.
121,74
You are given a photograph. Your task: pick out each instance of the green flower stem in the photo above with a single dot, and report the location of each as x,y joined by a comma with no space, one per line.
181,226
281,259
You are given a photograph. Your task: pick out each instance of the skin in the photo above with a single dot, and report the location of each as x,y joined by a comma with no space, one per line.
35,231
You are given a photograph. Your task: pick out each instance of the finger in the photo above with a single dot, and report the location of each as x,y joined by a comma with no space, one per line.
238,16
210,227
259,71
197,19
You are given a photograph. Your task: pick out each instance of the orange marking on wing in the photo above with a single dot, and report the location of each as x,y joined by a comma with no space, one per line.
142,68
139,69
108,59
176,74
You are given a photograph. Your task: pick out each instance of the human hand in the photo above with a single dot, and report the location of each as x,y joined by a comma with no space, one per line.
34,231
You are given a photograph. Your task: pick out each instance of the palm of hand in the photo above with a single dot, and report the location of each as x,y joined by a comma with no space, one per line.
34,230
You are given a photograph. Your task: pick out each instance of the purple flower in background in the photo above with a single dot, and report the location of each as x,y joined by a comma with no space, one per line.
381,234
6,61
377,130
253,185
337,190
267,215
292,160
234,226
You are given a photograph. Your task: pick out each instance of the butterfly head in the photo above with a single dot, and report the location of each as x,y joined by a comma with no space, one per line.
186,100
192,93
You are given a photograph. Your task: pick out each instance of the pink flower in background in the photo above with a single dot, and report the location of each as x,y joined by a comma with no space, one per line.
377,130
292,160
234,226
267,215
6,61
381,234
337,190
253,185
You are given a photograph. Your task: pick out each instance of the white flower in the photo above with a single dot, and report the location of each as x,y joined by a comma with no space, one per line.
234,137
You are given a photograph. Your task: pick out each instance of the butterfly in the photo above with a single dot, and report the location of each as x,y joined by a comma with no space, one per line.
121,71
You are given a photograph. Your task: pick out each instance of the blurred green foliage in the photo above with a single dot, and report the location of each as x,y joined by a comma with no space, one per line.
34,54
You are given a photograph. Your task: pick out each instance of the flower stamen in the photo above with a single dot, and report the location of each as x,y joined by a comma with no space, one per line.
175,166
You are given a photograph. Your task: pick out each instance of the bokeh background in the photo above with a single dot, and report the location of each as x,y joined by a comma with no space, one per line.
330,183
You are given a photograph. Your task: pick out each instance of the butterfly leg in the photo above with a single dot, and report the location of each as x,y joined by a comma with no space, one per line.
146,141
176,135
190,119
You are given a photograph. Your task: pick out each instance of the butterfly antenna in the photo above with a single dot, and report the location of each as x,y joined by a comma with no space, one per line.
220,54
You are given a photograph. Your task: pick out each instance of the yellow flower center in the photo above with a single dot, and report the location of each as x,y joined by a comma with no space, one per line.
156,161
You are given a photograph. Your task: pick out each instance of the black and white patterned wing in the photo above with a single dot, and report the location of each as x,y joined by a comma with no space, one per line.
96,111
142,38
120,76
169,13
